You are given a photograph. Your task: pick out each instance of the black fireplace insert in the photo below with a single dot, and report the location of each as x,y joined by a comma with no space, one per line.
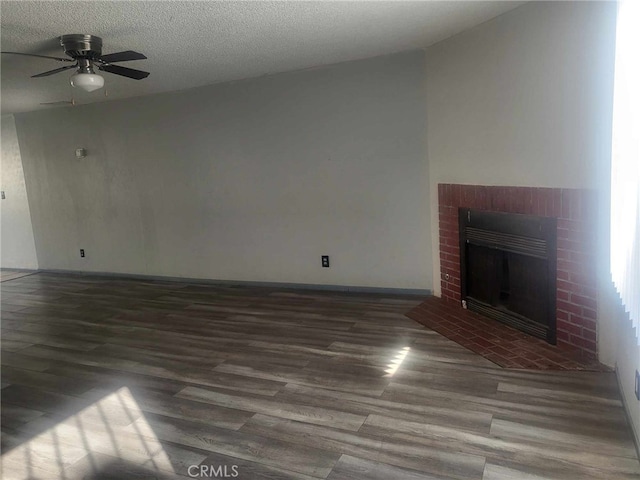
508,269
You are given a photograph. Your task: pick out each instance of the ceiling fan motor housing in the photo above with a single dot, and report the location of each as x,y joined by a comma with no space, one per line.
80,46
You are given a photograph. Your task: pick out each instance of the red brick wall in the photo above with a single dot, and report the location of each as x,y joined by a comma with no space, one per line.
575,210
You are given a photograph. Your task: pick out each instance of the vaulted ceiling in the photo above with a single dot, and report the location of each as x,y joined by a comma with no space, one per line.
190,44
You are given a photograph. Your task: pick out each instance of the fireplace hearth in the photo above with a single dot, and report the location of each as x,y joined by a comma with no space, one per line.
508,269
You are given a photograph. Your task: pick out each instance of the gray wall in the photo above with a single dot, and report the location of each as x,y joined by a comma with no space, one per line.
17,246
246,181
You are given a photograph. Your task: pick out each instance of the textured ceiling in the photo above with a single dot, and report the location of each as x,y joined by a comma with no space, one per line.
190,44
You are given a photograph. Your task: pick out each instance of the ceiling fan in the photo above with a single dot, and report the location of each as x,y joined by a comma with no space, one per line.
86,54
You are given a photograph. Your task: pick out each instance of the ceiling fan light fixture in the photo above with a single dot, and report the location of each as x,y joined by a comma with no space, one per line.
87,81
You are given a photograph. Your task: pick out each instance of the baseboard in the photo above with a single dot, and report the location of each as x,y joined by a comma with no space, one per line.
23,270
243,283
625,407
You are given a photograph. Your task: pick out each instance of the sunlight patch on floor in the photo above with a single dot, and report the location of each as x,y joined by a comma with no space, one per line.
397,361
85,438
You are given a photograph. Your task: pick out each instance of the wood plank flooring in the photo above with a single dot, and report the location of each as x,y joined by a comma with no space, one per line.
119,378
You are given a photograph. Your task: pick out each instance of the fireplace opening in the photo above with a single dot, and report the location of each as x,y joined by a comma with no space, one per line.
508,269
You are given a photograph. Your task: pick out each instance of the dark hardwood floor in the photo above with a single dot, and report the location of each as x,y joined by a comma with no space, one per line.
118,378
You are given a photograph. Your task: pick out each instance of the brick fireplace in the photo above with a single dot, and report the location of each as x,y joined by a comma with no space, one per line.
575,211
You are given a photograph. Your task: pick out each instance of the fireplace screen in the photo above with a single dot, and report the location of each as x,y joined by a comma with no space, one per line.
508,267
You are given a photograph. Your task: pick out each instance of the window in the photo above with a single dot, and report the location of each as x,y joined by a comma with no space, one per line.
625,161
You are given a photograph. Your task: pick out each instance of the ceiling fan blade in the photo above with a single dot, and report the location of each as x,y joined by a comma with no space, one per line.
122,57
40,56
124,71
57,70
